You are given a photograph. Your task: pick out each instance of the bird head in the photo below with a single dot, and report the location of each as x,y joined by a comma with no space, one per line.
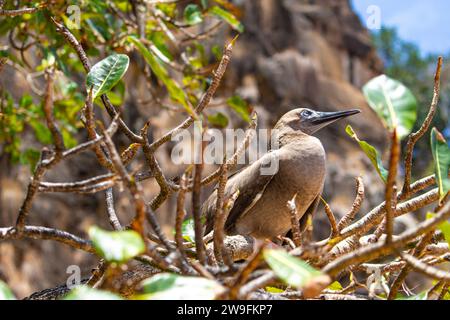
310,121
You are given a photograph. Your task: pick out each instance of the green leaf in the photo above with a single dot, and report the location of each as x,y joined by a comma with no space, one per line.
176,93
193,14
393,102
187,230
106,73
5,292
30,156
204,3
335,286
41,131
371,152
293,271
227,17
116,246
240,106
218,119
165,286
87,293
420,296
441,156
274,290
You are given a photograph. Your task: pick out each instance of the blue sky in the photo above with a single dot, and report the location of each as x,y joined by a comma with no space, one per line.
424,22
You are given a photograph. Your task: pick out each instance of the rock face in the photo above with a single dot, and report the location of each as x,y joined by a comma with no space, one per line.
313,54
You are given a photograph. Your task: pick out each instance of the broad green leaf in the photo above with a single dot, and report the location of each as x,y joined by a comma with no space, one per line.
371,152
116,246
227,17
193,14
187,230
420,296
169,286
218,119
176,93
441,156
291,270
88,293
5,292
393,102
240,106
105,74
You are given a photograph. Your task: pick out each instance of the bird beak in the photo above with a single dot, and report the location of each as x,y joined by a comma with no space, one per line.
324,118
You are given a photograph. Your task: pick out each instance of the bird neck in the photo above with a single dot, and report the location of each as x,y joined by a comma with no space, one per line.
285,135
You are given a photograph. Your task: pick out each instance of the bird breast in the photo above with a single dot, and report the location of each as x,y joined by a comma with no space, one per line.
302,172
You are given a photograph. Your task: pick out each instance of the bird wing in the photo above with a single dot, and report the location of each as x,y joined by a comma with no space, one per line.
251,185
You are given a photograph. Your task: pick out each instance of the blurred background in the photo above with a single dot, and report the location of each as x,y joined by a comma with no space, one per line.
292,53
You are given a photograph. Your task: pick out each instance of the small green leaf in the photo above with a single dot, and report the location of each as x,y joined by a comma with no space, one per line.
420,296
176,93
41,131
187,230
87,293
274,290
5,292
291,270
218,119
30,156
165,286
441,156
106,73
335,286
240,106
117,246
393,102
371,152
192,14
227,17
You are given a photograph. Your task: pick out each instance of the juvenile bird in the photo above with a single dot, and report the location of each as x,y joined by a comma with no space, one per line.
260,209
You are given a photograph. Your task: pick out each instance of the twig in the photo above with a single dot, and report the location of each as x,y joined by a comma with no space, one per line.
425,269
205,100
348,217
32,189
331,219
112,216
48,111
295,223
375,216
378,249
196,205
244,273
181,213
220,215
390,193
407,268
414,137
43,233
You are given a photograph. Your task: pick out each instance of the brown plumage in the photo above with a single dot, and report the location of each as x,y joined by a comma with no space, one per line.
261,207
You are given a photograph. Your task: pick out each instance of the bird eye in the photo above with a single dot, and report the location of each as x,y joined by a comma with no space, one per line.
306,113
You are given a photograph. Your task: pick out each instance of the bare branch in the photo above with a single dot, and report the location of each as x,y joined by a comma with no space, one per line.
414,137
348,217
